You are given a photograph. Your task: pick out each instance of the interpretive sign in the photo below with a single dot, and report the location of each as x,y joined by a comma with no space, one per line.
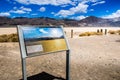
38,40
43,39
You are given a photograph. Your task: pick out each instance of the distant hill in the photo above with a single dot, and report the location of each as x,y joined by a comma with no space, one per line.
89,21
94,21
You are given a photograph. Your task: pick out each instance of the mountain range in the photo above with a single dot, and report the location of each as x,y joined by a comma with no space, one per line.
90,21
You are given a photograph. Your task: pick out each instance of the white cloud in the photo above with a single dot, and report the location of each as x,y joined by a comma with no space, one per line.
64,13
45,2
21,10
42,9
4,14
87,1
18,11
113,15
96,3
25,9
63,3
93,0
81,8
79,17
22,1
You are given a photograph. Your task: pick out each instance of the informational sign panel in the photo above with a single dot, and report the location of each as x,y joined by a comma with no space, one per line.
37,40
43,39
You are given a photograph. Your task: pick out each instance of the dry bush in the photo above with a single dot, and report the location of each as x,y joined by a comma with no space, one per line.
112,32
90,33
118,31
3,38
9,38
100,33
13,38
85,34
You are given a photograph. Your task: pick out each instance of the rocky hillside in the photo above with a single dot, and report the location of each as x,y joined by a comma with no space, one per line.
95,21
89,21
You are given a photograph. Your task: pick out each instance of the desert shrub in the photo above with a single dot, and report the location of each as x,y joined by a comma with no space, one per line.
100,33
3,38
90,33
118,31
85,34
9,38
13,38
112,32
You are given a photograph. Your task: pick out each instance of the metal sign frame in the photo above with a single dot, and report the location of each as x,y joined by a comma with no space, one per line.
24,54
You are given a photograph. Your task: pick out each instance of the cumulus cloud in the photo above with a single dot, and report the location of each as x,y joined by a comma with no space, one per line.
18,11
93,0
25,9
62,3
45,2
4,14
113,15
21,10
42,9
86,1
81,8
22,1
79,17
96,3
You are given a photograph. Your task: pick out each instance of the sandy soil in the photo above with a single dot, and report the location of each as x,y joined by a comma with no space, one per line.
92,58
79,30
85,29
7,30
66,29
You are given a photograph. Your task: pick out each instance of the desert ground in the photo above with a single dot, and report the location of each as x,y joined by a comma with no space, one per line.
77,31
6,30
91,58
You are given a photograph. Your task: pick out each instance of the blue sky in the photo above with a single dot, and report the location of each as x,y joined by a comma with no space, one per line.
72,9
36,32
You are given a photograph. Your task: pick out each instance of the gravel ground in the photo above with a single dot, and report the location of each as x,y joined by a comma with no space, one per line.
92,58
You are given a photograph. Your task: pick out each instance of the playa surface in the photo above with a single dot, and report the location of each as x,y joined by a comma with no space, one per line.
92,58
6,30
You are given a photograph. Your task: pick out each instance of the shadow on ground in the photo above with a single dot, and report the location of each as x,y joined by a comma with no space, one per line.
117,40
43,76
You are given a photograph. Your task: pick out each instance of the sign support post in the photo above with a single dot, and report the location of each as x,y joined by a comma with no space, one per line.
68,65
24,75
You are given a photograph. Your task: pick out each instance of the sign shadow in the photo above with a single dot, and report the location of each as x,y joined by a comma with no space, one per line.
43,76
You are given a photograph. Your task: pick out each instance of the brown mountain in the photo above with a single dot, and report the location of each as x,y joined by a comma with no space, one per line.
36,21
94,21
89,21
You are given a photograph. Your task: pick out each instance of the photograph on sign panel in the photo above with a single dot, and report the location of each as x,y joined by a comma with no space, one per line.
44,39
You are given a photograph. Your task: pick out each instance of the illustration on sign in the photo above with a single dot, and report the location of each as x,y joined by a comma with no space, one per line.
44,39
